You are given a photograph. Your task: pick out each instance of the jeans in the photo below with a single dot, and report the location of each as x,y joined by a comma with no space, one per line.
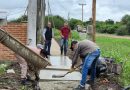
47,46
23,65
64,45
89,62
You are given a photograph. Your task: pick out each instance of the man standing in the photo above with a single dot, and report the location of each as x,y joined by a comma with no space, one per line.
65,34
90,52
48,35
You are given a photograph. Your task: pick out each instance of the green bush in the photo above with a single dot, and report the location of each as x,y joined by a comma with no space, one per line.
75,35
122,30
110,29
57,34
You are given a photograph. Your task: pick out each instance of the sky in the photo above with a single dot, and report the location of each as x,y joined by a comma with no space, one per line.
106,9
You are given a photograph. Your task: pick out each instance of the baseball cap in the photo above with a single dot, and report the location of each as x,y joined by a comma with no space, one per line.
40,46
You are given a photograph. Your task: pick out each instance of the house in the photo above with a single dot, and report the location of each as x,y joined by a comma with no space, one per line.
3,18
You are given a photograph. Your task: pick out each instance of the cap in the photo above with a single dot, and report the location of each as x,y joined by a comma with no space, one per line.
40,46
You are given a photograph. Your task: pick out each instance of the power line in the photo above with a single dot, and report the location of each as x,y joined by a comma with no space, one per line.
16,13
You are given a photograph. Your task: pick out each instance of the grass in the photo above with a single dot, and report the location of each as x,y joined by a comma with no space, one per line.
118,49
2,68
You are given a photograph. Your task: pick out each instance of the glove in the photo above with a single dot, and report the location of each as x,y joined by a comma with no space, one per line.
71,70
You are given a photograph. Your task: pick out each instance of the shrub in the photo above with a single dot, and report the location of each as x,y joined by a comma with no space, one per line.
122,30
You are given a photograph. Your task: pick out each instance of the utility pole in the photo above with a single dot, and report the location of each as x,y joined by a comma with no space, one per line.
36,14
38,24
32,18
82,10
40,20
94,19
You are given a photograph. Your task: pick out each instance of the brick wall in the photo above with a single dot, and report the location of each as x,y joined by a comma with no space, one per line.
17,30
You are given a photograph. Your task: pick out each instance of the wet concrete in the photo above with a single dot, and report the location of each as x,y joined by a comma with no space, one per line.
60,66
47,75
60,61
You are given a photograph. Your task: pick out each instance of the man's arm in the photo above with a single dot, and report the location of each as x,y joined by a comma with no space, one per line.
75,57
52,33
61,33
70,34
44,31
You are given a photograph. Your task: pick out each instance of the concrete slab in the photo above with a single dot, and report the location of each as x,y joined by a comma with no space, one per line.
47,75
60,61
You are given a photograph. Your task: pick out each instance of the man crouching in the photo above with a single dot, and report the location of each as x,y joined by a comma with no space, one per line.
90,52
27,66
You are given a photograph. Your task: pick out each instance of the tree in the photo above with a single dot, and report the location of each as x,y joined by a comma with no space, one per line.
126,21
109,21
23,18
74,22
58,21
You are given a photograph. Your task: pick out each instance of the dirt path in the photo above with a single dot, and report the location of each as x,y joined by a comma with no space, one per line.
55,48
113,36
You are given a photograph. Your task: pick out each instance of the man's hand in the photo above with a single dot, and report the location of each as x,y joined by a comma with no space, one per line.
71,70
62,36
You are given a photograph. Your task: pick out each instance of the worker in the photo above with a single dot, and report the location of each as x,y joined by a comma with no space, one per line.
65,33
24,65
91,52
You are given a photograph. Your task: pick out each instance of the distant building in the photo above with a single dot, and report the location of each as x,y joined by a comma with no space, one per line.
3,18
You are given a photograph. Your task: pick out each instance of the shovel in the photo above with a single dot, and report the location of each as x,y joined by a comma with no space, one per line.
63,75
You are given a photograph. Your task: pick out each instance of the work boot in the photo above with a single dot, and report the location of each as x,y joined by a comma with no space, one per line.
79,87
28,78
89,82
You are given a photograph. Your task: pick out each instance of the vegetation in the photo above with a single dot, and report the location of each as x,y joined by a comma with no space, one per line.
58,21
20,19
74,22
118,49
2,68
119,28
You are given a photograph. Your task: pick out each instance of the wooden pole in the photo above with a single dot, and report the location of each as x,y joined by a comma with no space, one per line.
94,19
